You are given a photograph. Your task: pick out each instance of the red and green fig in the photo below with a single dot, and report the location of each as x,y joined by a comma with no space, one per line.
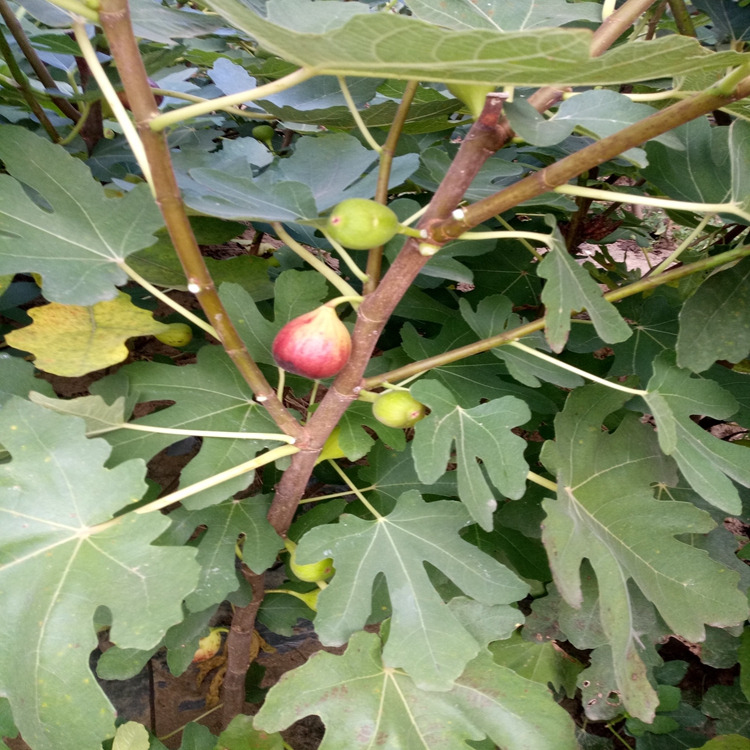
313,572
209,646
315,345
398,409
360,224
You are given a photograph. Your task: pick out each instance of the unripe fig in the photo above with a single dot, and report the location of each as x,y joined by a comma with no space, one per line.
397,409
473,95
209,646
179,334
331,447
360,224
263,133
313,572
122,96
315,345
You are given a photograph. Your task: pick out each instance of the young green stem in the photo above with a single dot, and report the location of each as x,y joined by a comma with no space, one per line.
415,369
667,262
235,471
76,129
196,433
167,300
115,20
162,121
236,111
340,284
336,301
353,267
541,481
281,383
15,28
648,200
78,9
354,112
25,87
682,18
335,495
571,368
105,86
355,489
522,240
375,255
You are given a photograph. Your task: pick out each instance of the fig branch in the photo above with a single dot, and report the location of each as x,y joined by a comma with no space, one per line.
114,17
650,282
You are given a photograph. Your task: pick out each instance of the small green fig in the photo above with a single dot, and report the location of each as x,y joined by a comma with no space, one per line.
331,447
360,224
317,571
397,409
315,345
263,133
473,95
179,334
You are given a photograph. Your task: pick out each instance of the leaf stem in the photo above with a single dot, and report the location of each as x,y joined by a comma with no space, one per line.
366,134
667,262
167,300
162,121
355,490
532,477
26,91
571,368
196,720
15,28
76,129
649,200
418,368
280,436
336,301
522,240
74,7
335,495
105,86
547,239
235,471
387,154
353,267
343,286
281,383
246,113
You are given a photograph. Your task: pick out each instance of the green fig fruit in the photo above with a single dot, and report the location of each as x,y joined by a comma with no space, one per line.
360,224
313,572
398,409
179,334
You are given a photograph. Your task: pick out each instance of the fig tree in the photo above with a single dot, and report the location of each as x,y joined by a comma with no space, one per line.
397,409
360,224
315,345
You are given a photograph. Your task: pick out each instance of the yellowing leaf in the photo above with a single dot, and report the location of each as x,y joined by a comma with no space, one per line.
71,340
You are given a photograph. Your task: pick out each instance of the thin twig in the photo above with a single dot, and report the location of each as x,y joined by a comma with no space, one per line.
26,90
15,28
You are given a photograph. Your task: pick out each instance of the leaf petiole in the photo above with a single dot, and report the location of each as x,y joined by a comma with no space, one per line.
353,267
667,262
355,490
235,471
541,481
280,436
571,368
366,134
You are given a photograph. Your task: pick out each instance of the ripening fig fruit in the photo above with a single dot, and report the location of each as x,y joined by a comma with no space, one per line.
360,224
122,96
397,409
179,334
331,447
263,133
473,95
209,646
317,571
315,345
